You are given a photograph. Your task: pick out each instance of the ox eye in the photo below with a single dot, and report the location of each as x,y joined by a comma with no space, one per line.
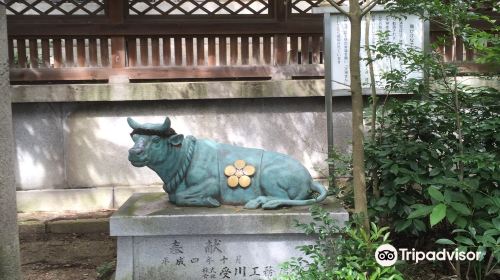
134,137
155,139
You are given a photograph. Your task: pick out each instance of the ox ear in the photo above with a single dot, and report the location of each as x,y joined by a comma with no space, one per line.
133,124
176,139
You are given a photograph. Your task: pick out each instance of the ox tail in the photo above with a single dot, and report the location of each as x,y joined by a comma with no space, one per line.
315,186
319,188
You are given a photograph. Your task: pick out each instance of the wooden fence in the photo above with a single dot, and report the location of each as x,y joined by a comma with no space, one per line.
91,40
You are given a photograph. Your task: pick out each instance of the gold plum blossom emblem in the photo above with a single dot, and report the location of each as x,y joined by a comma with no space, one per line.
239,174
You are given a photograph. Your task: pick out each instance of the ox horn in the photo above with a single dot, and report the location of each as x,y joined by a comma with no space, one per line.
133,124
166,124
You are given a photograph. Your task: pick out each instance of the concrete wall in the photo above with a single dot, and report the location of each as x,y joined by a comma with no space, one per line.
83,145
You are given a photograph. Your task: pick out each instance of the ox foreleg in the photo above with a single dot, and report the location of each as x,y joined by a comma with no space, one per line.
198,195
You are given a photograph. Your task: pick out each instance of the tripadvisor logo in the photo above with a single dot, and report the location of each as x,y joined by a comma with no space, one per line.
388,255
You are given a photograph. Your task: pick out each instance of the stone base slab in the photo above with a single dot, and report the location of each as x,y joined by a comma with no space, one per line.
158,240
81,200
65,200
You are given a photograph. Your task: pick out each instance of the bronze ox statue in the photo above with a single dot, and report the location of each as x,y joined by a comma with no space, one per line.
201,172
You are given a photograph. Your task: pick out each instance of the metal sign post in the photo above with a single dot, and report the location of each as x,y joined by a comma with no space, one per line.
328,80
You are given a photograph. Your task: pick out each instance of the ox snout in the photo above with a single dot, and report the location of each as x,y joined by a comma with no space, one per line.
136,156
135,151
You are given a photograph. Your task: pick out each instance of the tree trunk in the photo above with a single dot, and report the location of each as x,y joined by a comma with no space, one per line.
458,121
358,155
373,136
9,240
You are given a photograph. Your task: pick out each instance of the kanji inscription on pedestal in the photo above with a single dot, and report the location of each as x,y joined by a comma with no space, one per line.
208,257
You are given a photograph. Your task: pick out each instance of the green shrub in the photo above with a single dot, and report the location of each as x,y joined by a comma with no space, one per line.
105,271
339,253
436,159
416,158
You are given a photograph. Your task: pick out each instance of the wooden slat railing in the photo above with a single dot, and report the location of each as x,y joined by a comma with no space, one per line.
144,42
158,47
223,50
58,52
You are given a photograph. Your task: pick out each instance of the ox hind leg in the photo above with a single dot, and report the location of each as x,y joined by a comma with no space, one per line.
278,196
299,201
272,194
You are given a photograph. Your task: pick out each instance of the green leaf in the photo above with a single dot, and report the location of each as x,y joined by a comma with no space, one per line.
420,212
458,230
401,180
472,231
435,193
487,240
485,224
414,166
419,225
461,208
461,222
492,231
438,214
462,249
444,241
496,222
386,237
392,202
402,225
382,201
451,215
464,240
454,196
479,200
394,169
434,172
495,200
482,251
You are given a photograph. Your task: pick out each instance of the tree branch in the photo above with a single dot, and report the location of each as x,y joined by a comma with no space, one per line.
489,268
339,8
368,7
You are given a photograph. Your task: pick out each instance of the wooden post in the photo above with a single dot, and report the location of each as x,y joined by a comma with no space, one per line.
178,50
116,11
222,51
33,53
9,239
280,40
304,49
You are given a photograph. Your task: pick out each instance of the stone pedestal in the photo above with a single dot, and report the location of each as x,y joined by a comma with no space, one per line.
157,240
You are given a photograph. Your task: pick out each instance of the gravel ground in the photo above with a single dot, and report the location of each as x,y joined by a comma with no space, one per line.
40,271
68,256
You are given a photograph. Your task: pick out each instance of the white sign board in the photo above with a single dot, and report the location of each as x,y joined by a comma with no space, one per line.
407,31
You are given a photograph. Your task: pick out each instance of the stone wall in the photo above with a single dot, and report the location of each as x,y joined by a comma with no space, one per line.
83,145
